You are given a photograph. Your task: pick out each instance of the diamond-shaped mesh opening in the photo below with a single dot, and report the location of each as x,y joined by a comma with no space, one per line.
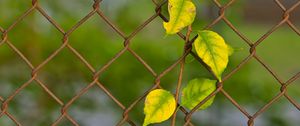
244,16
93,108
167,82
77,75
47,39
257,90
66,14
152,40
93,45
284,64
117,76
228,115
31,109
127,14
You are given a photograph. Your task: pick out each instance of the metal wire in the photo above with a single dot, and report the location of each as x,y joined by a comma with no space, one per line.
157,76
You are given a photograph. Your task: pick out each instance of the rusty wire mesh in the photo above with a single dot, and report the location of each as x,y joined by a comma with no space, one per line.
157,76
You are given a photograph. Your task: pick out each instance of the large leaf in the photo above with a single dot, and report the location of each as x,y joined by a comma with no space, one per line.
196,91
159,106
182,13
213,50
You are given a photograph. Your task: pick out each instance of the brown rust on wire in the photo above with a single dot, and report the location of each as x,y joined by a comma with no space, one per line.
96,11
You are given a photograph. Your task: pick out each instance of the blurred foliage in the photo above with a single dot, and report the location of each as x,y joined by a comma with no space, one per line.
127,78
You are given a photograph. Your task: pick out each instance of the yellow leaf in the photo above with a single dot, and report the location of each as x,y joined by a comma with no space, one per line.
213,50
159,106
182,13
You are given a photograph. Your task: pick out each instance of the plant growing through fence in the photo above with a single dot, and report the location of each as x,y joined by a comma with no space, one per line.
211,49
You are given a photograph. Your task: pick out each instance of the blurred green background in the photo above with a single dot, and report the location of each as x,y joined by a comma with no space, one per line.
127,79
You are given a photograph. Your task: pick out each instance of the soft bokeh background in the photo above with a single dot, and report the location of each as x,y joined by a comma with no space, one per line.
127,79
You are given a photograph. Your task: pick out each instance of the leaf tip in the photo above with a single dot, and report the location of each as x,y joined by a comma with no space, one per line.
146,123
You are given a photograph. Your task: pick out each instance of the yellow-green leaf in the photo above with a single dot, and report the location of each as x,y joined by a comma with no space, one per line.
182,13
213,50
196,91
159,106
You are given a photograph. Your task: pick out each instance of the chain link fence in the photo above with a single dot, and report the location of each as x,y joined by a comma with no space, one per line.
186,39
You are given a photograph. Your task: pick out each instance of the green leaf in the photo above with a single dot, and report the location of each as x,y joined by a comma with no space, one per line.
213,50
196,91
159,106
182,13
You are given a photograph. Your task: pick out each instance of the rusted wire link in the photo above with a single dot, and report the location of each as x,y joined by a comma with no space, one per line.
180,76
186,38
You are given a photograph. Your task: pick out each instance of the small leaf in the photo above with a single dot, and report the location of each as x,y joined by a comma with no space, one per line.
182,13
159,106
213,50
196,91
